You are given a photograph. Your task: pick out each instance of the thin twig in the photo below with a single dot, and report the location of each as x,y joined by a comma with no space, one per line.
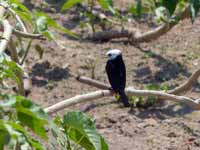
19,74
26,52
28,35
18,20
136,37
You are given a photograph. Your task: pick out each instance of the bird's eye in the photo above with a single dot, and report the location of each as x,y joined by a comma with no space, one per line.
109,55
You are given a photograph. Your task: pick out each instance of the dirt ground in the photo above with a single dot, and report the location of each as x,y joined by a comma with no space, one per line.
170,60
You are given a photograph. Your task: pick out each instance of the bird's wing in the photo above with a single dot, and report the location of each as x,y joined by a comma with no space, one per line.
123,75
110,70
116,76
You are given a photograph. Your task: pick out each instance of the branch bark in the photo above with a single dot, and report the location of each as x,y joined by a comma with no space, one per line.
188,84
130,91
28,35
93,82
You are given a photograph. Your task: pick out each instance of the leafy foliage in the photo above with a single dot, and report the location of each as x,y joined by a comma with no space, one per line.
164,11
21,120
140,101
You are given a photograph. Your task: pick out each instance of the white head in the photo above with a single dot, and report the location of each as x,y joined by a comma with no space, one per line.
113,53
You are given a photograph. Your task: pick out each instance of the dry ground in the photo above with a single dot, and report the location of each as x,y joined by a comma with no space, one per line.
167,61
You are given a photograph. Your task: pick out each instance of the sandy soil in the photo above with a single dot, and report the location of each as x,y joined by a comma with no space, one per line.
167,61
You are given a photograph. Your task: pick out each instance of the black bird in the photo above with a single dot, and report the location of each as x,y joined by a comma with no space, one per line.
116,71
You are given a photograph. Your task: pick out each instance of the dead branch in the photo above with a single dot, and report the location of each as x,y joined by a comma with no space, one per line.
77,99
93,82
130,91
28,35
108,35
134,37
188,84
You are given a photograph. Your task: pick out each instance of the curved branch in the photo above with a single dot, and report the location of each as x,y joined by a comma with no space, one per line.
183,87
187,85
18,20
130,91
134,37
28,35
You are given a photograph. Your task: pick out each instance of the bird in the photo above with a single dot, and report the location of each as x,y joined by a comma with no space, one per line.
116,72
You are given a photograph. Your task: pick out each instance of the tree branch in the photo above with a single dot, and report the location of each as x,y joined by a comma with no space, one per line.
18,20
93,82
188,84
134,37
28,35
130,91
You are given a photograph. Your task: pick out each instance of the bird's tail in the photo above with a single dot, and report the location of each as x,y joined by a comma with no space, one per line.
124,98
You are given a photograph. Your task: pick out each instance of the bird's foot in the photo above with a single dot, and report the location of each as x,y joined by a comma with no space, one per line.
112,91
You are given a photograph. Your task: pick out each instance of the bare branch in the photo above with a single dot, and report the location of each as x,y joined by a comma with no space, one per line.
183,87
130,91
134,37
188,84
18,20
28,35
108,35
93,82
77,99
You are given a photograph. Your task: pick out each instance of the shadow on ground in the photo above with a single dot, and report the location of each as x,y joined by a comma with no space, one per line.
168,70
161,113
43,72
172,110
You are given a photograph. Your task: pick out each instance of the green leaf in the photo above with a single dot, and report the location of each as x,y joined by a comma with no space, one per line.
4,135
8,102
31,115
170,5
162,14
9,69
43,22
40,50
19,135
107,5
83,132
21,10
139,7
70,3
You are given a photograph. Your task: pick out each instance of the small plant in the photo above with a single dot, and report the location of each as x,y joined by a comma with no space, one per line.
139,101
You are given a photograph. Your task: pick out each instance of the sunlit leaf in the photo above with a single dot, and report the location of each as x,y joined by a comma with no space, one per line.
83,132
170,5
70,3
